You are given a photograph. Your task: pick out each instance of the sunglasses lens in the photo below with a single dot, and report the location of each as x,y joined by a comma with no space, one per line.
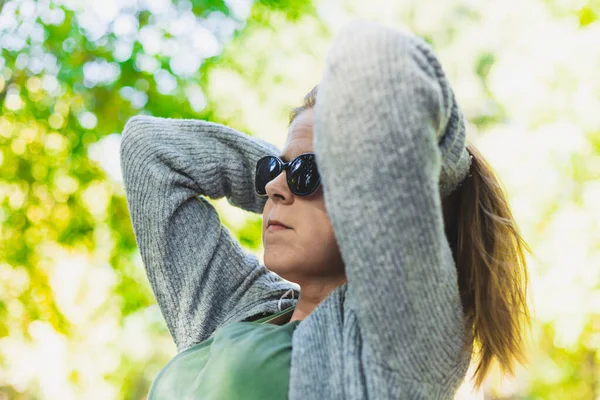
267,169
304,177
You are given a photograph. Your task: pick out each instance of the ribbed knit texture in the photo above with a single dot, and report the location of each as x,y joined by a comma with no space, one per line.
390,143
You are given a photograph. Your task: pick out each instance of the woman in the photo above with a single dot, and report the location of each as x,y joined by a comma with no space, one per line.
401,240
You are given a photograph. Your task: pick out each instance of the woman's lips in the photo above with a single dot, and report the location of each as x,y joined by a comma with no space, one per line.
275,228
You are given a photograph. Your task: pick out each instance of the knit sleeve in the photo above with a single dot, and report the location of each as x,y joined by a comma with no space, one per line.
382,108
198,271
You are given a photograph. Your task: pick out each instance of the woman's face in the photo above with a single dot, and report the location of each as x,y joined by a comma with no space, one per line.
308,251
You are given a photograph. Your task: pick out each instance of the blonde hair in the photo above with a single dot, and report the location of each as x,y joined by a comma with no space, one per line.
489,254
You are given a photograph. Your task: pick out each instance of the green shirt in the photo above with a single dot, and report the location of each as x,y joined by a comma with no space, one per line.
241,360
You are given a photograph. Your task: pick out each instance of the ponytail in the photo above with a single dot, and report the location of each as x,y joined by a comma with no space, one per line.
489,253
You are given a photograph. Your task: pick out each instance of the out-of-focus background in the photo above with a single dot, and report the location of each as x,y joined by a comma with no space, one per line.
77,317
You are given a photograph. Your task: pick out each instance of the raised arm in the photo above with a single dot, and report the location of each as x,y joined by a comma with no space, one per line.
386,123
198,271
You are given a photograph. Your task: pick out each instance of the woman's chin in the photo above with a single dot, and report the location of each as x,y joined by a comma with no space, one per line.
280,266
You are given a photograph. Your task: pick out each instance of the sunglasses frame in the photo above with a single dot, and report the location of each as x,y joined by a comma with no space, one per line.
284,166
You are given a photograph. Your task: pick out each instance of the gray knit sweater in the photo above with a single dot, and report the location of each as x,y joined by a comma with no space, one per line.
390,143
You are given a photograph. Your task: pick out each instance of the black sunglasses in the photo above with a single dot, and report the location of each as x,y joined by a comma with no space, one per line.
302,175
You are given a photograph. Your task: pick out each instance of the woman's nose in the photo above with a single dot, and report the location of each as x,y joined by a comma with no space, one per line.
278,188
